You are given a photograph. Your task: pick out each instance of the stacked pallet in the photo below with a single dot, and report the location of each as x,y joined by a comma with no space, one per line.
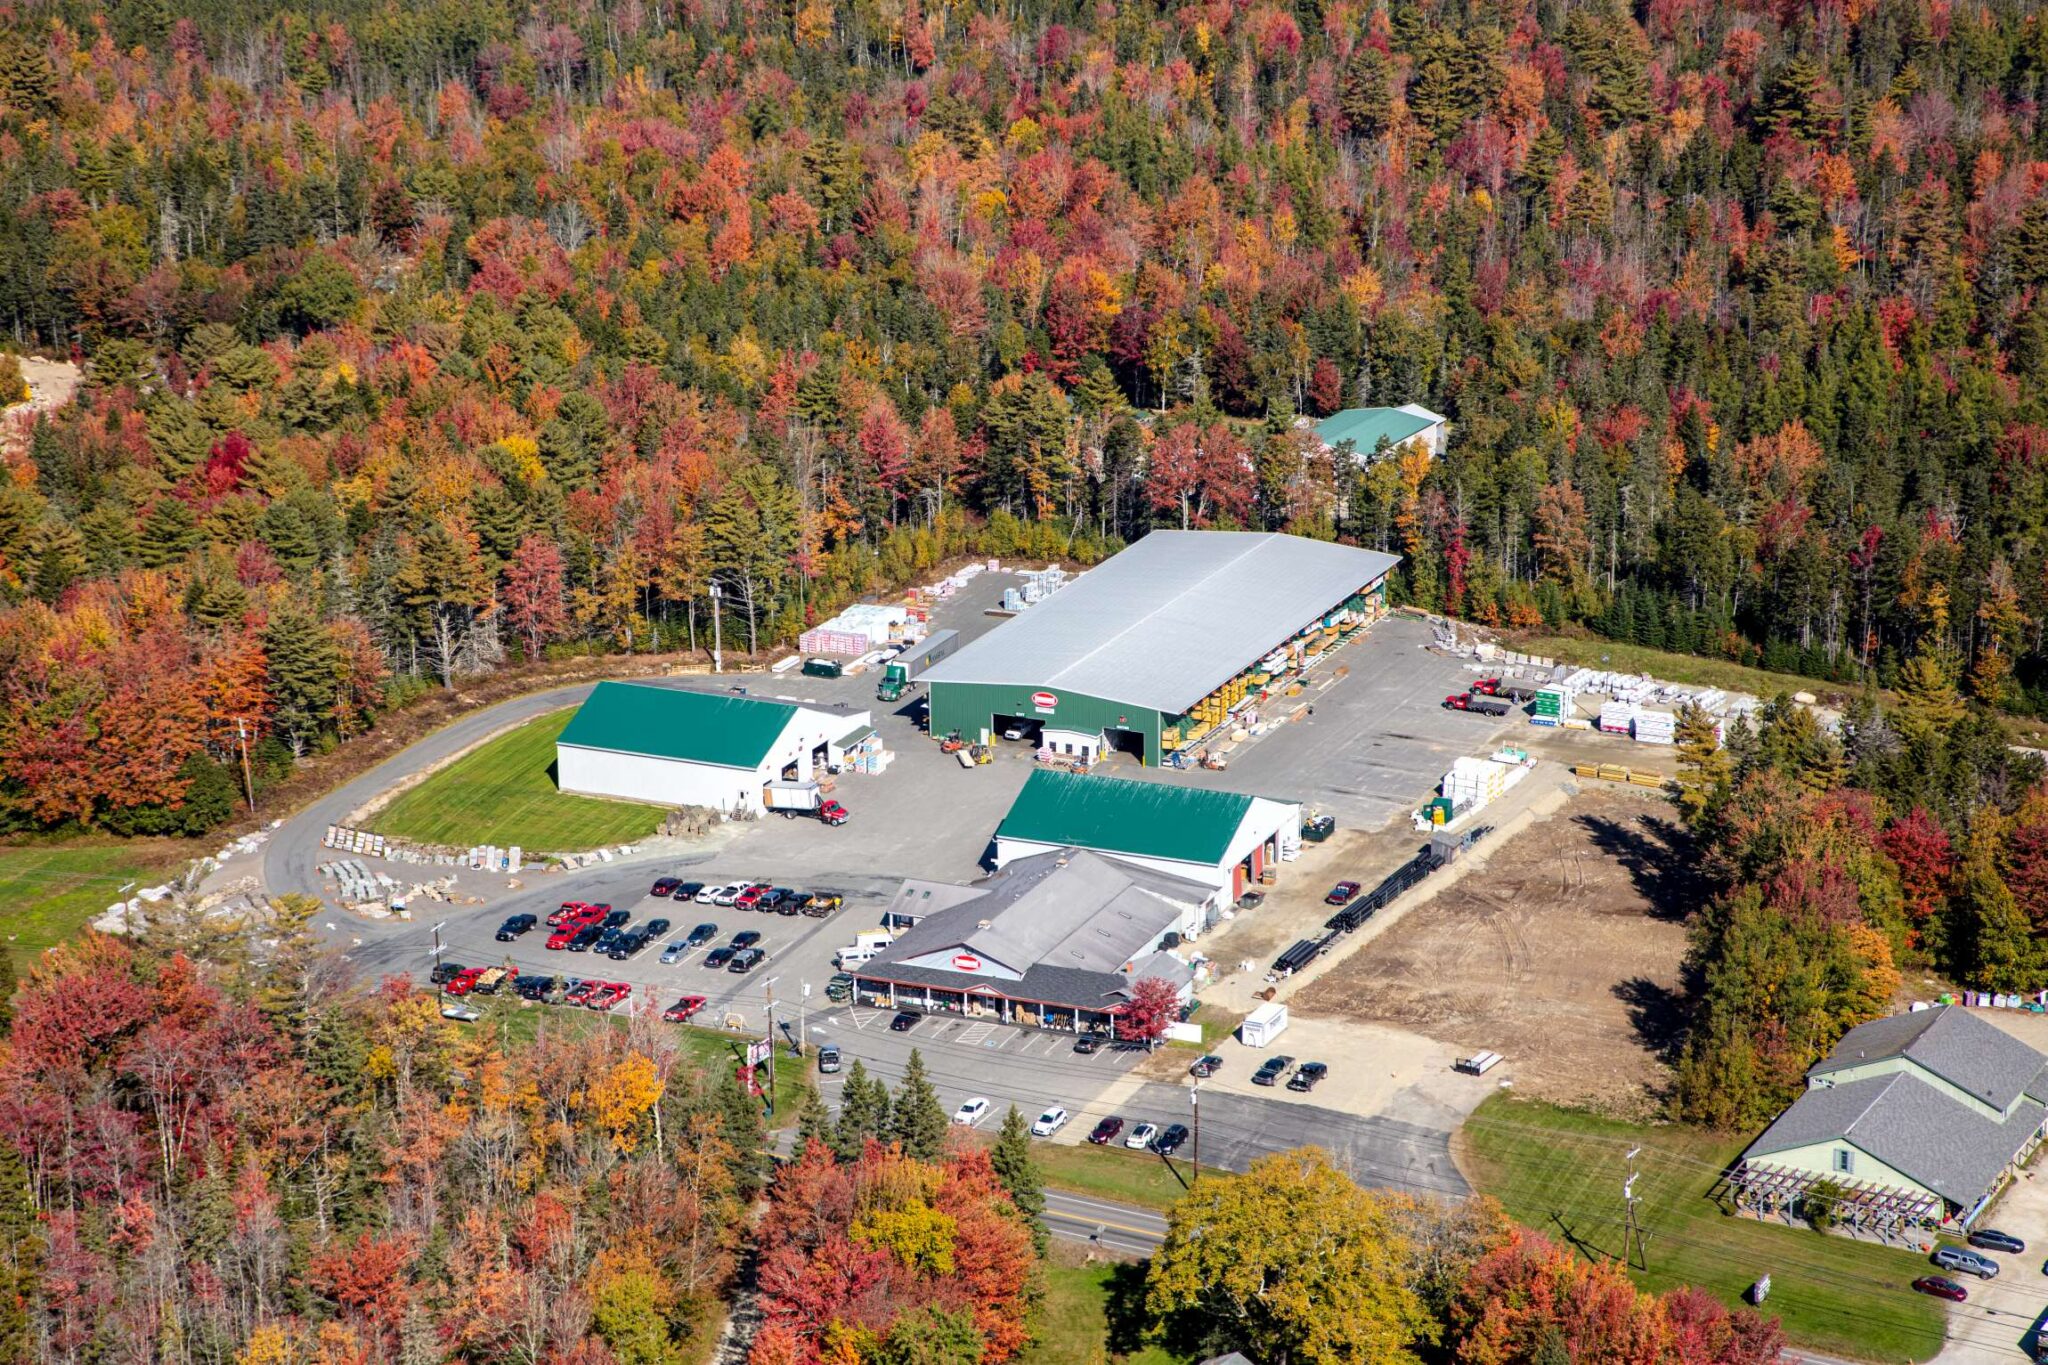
1617,717
1655,727
1554,706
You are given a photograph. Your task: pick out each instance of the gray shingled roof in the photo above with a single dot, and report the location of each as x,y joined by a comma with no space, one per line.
1911,1127
1170,619
1972,1054
1069,908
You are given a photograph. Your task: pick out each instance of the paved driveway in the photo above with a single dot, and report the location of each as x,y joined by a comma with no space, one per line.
2004,1316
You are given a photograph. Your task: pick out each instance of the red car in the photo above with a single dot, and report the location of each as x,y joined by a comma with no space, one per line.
683,1009
581,994
1341,893
1487,687
608,994
559,940
570,912
1941,1288
464,982
749,898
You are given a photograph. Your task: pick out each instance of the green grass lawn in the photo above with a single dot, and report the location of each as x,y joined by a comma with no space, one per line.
1087,1315
1561,1173
49,894
503,792
1112,1173
1692,669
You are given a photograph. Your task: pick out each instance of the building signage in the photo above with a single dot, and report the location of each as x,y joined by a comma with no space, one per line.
966,962
1045,701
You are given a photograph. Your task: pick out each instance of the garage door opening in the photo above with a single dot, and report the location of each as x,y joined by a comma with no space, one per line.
1019,729
1130,742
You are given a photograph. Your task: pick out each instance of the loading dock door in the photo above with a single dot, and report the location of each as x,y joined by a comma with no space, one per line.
1130,742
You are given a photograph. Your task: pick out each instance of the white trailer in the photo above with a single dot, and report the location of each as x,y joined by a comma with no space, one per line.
1263,1025
803,797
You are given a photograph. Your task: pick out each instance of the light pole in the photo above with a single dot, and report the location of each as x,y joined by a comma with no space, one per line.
717,633
768,987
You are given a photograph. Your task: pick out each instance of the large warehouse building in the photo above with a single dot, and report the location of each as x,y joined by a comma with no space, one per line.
671,747
1153,648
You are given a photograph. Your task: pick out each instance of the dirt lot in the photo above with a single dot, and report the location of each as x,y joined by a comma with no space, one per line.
1564,956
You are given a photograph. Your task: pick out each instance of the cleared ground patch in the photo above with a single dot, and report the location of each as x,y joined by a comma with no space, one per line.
503,792
1093,1310
49,894
1561,1173
1562,954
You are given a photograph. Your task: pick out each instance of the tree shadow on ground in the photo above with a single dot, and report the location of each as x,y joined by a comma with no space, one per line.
1659,857
1659,1014
1124,1307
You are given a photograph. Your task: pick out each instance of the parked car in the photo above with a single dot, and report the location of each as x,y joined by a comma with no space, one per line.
1087,1045
840,987
464,981
1172,1140
614,919
571,912
702,935
710,894
905,1021
654,928
1271,1070
1967,1262
1105,1132
1993,1240
828,1059
745,960
688,891
749,898
607,995
1941,1288
786,900
580,992
455,1009
512,928
832,813
584,938
718,957
562,937
629,944
771,899
823,903
675,952
683,1009
1141,1137
972,1112
1206,1067
1341,893
1307,1076
444,972
1050,1122
531,987
746,938
663,886
798,903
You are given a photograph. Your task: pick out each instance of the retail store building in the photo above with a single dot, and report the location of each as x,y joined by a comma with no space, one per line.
1222,841
1160,645
1056,940
668,746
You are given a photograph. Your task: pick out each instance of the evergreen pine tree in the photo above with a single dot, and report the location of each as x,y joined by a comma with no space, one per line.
916,1121
744,1126
862,1113
169,533
813,1120
1703,766
1011,1157
303,669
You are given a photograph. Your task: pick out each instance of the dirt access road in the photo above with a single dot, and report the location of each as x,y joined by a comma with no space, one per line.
1564,956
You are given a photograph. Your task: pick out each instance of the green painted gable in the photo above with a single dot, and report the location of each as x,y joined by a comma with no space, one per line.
1151,819
668,722
1363,427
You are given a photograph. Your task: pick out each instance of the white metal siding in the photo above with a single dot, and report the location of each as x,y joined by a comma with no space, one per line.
656,781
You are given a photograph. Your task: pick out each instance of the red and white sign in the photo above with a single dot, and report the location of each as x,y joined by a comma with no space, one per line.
1045,701
966,962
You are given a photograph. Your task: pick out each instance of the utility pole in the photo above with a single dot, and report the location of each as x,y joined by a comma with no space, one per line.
248,785
1632,1240
1195,1100
803,1009
768,987
437,949
717,633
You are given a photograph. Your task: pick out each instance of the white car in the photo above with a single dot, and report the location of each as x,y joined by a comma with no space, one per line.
730,892
972,1112
1050,1122
710,894
1141,1136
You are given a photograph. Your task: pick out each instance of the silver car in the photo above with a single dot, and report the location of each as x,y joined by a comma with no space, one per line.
1967,1262
675,951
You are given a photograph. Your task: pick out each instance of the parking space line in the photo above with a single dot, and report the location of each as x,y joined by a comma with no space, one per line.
975,1033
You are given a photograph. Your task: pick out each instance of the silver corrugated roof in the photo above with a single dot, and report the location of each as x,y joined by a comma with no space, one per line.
1172,618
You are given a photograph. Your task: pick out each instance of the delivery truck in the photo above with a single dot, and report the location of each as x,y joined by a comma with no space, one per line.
791,799
906,668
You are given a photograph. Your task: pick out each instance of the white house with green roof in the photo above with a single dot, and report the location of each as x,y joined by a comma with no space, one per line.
1222,840
1362,430
669,746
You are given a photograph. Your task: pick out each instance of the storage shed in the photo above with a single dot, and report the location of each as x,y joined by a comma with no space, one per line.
1161,643
670,746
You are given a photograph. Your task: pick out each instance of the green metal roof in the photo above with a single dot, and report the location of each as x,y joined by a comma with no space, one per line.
1363,427
669,722
1153,819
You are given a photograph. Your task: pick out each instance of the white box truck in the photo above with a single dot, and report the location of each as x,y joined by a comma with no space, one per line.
866,944
1263,1025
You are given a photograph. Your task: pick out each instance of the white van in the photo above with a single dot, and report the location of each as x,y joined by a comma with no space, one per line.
854,955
